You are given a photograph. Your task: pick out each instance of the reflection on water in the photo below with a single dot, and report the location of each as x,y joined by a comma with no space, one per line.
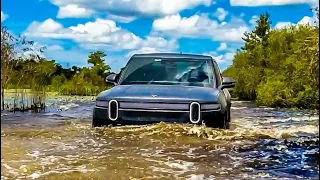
263,143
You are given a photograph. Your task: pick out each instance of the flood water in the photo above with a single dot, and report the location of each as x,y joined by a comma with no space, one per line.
262,143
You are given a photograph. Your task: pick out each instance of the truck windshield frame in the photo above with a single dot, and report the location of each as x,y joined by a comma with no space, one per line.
168,71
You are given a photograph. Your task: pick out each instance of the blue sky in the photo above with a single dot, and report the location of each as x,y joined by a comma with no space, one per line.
71,29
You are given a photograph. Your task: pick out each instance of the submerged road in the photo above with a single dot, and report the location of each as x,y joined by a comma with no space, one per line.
263,143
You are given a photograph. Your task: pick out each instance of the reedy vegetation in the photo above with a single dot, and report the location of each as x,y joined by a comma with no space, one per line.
12,74
23,67
278,67
29,70
275,67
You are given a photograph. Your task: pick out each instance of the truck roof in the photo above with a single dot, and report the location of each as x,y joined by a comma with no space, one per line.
172,55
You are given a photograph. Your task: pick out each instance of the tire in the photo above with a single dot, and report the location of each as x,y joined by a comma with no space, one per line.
221,122
229,113
227,119
227,125
96,122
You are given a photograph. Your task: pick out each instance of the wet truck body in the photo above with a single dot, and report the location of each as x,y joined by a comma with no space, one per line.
166,87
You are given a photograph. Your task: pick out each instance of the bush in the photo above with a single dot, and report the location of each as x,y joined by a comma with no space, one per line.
278,67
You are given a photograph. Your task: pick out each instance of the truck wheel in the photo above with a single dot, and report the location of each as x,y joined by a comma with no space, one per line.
229,113
96,123
221,122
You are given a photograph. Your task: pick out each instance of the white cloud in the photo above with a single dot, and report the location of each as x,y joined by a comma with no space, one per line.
73,11
225,59
200,26
155,44
54,48
96,35
135,7
4,16
145,50
304,20
253,20
123,19
48,26
221,14
99,34
91,34
270,2
281,25
222,47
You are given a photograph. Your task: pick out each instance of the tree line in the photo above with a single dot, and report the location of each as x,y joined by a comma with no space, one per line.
278,67
23,67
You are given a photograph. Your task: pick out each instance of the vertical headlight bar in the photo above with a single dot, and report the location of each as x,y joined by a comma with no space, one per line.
195,109
113,110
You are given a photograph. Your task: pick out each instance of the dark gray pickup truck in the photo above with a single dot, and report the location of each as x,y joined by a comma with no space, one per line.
166,87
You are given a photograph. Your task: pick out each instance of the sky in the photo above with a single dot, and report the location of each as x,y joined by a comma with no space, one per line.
71,29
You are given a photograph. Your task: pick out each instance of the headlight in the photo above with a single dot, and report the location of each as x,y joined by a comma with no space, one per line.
210,106
102,103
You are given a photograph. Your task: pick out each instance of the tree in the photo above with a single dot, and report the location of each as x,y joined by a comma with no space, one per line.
13,48
74,68
98,61
250,62
96,58
259,34
278,67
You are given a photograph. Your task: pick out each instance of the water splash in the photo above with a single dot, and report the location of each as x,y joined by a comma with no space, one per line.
262,143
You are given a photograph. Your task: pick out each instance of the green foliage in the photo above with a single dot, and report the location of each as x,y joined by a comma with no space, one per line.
278,67
84,81
96,58
31,74
39,74
58,81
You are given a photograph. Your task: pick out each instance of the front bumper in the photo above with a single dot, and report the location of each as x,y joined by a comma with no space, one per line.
142,116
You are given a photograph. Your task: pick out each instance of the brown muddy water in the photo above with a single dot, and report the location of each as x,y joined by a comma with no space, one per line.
263,143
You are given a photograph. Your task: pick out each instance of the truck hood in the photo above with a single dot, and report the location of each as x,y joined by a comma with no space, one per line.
160,93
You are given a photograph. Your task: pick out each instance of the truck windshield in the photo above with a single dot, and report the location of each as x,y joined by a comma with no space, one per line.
167,71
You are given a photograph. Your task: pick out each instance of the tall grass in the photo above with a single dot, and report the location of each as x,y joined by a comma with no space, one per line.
24,100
